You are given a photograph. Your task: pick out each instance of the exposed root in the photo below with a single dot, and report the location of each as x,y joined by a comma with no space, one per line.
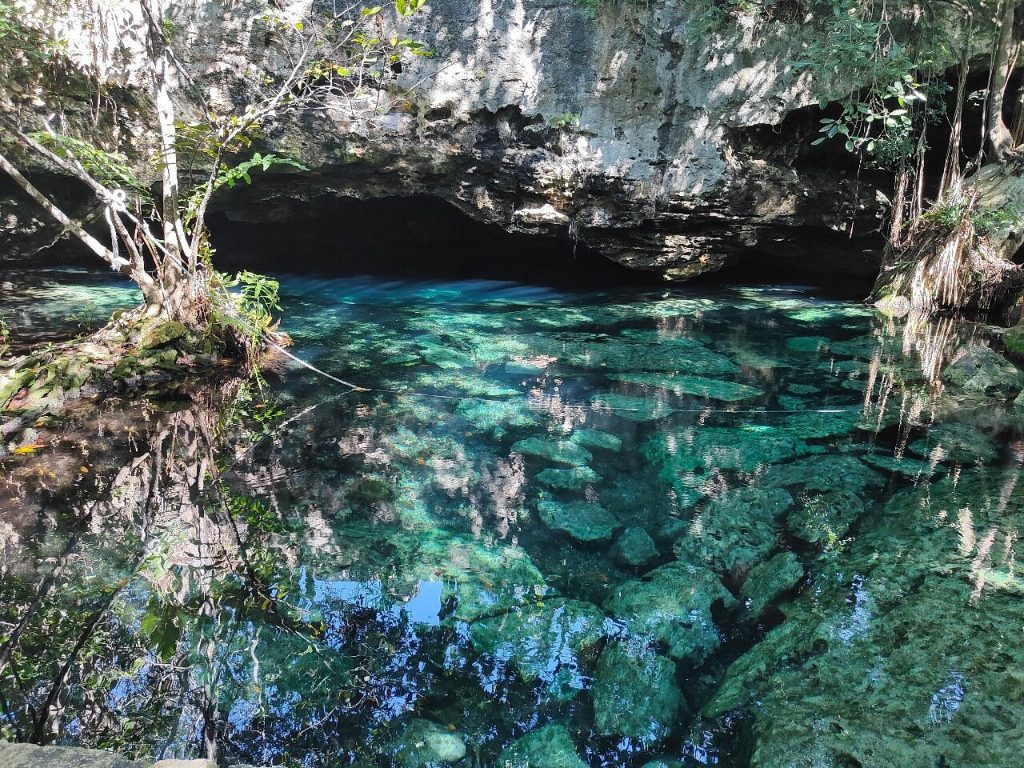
958,255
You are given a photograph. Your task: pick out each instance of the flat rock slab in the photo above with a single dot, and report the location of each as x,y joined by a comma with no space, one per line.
580,521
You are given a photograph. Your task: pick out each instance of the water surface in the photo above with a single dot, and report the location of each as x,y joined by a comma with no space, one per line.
749,527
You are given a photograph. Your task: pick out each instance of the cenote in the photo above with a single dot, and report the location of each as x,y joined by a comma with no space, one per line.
635,527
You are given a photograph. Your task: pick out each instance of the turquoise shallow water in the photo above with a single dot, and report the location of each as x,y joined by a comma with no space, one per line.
662,528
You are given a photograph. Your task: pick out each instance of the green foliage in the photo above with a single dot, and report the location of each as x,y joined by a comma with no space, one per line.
948,214
21,43
408,7
860,60
988,220
713,15
566,120
256,300
111,169
590,6
230,175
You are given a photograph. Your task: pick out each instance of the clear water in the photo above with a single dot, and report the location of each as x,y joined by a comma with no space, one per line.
743,528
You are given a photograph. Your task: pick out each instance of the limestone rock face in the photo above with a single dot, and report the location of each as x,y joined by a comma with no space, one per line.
660,148
32,756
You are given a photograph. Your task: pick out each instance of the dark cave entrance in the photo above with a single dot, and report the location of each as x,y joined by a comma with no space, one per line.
417,236
424,237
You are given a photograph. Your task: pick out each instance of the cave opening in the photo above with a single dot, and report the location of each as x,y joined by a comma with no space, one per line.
416,237
425,237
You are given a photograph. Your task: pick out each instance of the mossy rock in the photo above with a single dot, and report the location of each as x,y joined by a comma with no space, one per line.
582,522
162,334
1013,340
672,606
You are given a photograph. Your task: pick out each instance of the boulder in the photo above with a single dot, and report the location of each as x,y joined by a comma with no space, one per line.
735,531
635,548
584,523
672,606
545,641
426,744
547,747
979,370
770,579
636,695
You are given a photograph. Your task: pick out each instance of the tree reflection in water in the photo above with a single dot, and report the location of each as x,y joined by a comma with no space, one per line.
150,606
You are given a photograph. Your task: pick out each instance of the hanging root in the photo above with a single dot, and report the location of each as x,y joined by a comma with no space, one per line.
953,258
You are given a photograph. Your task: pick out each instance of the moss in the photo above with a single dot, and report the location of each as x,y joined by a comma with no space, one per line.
162,334
1013,340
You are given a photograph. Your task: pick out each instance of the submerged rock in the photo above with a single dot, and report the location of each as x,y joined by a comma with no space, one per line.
699,451
547,747
483,580
579,520
824,473
555,451
635,548
735,531
635,694
905,465
955,442
575,478
980,371
544,641
593,438
699,386
824,519
900,654
425,744
633,408
823,422
497,416
770,579
672,606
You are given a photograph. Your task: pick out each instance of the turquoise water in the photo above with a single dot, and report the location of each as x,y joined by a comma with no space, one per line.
742,528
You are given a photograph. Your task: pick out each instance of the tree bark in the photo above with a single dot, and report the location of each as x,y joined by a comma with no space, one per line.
997,133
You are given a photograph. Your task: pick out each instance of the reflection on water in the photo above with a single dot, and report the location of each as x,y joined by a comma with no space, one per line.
743,529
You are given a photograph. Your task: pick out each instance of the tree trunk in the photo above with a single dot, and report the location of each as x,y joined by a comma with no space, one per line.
997,134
